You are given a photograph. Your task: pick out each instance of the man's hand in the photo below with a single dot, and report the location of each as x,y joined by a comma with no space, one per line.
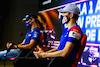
40,49
36,54
8,45
39,52
39,55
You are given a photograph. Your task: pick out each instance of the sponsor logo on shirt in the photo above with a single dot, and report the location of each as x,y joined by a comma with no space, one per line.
74,35
75,32
35,34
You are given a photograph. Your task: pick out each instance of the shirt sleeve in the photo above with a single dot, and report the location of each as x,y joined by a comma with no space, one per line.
36,35
74,35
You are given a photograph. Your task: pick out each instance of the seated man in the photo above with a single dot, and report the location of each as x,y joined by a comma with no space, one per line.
64,55
30,41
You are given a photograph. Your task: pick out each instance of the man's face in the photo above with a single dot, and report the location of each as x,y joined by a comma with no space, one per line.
65,17
65,13
28,21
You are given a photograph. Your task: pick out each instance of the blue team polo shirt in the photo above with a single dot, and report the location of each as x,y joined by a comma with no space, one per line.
32,35
73,35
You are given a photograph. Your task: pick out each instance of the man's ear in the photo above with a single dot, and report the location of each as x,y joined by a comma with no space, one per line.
71,15
33,19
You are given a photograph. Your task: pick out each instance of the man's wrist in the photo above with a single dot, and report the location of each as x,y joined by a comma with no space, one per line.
16,46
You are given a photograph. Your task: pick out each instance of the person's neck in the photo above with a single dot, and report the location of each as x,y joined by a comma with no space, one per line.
71,23
34,25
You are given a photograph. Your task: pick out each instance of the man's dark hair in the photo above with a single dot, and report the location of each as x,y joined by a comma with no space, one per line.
76,16
29,16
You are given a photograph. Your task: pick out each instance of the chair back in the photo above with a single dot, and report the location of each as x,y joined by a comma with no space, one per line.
41,40
81,49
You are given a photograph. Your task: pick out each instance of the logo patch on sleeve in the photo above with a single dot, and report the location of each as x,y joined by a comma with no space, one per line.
74,34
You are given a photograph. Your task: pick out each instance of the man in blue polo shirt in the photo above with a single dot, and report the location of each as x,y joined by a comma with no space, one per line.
30,41
70,40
